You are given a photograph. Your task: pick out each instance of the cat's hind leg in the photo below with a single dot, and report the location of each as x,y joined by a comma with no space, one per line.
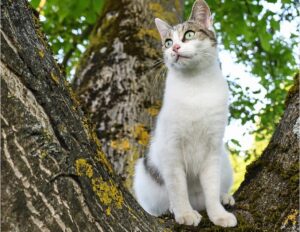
226,181
150,193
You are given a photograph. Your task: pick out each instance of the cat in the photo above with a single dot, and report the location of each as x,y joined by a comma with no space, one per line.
187,168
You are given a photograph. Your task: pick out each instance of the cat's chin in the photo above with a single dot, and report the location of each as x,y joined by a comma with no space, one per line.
184,66
191,65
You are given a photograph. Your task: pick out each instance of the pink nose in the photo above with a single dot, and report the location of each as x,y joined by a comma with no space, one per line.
176,47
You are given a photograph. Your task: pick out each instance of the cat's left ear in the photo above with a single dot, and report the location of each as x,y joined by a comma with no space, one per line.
162,27
201,13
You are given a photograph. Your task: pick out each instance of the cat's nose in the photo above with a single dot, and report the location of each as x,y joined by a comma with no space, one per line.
176,47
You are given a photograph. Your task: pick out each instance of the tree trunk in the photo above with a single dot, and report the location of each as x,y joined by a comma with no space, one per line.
119,79
55,177
54,174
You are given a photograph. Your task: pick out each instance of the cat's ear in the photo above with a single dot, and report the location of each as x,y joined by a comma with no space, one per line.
201,13
162,27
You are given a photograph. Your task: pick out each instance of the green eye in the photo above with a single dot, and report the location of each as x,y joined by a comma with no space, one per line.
168,43
189,35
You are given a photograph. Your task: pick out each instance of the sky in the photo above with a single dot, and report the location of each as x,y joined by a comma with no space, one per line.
232,69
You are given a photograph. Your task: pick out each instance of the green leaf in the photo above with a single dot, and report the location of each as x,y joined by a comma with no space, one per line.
35,3
265,41
97,5
235,142
275,24
91,18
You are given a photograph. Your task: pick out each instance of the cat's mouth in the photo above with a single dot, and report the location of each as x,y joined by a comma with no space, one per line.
181,56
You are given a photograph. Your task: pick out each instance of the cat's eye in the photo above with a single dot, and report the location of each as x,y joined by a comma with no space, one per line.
189,35
168,43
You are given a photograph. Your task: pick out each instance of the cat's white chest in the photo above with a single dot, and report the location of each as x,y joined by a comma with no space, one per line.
195,99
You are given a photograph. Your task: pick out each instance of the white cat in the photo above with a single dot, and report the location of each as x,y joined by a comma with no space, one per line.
187,168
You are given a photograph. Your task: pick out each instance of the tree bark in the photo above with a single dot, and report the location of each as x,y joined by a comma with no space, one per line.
54,174
119,79
269,196
55,177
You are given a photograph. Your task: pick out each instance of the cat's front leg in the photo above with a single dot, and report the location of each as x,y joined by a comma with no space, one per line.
210,178
175,180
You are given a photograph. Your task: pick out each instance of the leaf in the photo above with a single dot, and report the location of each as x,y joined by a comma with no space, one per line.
275,24
91,18
235,142
35,3
97,5
265,42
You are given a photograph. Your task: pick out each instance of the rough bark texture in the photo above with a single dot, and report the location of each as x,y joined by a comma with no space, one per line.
119,80
269,196
54,174
55,177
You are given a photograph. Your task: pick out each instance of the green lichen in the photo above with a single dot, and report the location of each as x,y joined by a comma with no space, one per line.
41,53
43,154
294,89
54,78
295,179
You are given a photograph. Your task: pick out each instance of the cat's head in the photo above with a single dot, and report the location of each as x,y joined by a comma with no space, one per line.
192,44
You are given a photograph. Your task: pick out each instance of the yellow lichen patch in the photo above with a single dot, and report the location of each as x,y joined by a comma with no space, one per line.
292,217
95,139
154,110
149,51
129,170
108,193
148,32
178,5
160,12
87,128
101,157
156,8
141,134
120,145
41,53
54,78
72,94
108,211
167,230
43,154
83,168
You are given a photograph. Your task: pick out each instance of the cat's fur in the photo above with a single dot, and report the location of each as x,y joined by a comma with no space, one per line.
187,168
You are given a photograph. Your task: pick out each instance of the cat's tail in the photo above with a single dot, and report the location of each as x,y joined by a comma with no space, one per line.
150,194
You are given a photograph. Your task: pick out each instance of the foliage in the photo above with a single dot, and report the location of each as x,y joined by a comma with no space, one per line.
67,25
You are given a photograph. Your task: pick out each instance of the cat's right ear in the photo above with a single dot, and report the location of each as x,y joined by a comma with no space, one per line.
162,27
201,13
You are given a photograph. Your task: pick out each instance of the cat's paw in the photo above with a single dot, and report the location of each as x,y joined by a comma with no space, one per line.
227,199
189,218
225,220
